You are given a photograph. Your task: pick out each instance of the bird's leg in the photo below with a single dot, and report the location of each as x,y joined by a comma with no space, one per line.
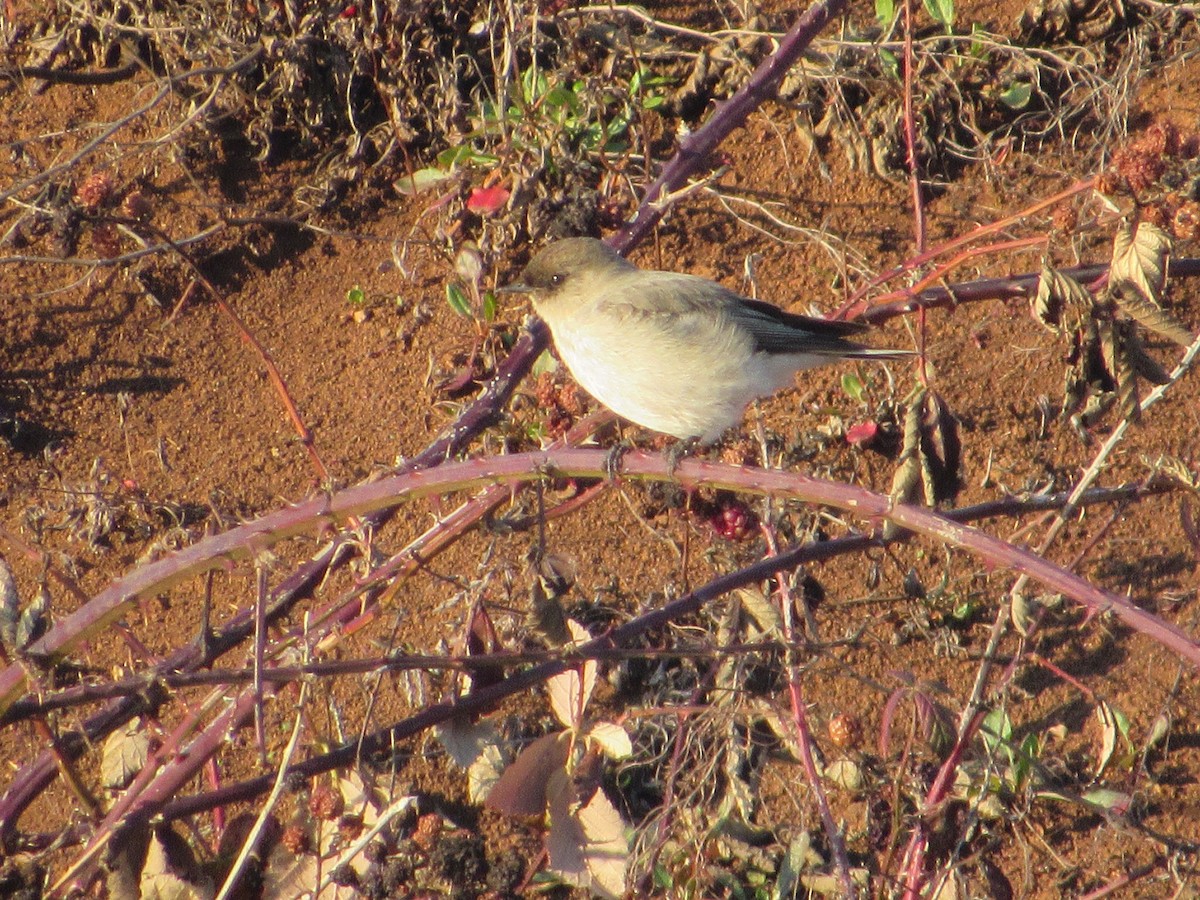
612,460
676,452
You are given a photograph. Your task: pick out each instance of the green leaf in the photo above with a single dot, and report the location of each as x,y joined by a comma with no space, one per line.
458,300
545,363
464,154
561,97
941,11
853,386
1023,764
1017,95
533,84
891,63
356,295
662,877
653,101
996,730
885,11
977,49
489,307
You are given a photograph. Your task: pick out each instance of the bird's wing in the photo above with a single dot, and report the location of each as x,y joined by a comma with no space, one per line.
693,306
777,331
679,302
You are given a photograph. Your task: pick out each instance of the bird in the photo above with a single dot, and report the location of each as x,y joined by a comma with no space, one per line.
676,353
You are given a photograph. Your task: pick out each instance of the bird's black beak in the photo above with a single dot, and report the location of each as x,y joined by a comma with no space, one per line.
517,287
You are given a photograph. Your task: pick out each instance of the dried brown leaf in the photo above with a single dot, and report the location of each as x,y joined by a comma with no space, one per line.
125,753
465,740
941,450
908,473
484,773
521,790
931,455
552,577
1127,384
1137,357
759,607
35,618
290,875
1130,298
1120,374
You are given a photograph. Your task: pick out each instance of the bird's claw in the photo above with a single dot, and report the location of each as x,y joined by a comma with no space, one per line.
678,451
612,461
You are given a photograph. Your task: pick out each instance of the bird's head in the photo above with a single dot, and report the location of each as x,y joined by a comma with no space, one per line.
565,269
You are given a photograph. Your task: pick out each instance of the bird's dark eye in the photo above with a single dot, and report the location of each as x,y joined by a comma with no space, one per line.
557,278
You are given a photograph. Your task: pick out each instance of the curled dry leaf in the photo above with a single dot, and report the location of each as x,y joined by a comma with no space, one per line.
1026,612
761,611
1113,350
21,626
1113,725
551,576
931,456
465,741
845,774
481,640
468,263
484,773
1061,302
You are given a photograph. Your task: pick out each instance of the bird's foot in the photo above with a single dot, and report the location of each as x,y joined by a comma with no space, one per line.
678,451
612,461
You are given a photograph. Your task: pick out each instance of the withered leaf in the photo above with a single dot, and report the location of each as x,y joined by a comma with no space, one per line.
1060,301
481,640
125,753
1138,305
552,577
1136,355
931,455
521,790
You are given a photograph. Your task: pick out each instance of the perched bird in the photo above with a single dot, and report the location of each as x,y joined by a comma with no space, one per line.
675,353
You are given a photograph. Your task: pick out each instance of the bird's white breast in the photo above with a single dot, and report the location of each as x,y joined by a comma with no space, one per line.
689,375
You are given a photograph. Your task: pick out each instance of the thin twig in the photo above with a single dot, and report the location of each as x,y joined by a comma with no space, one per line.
264,814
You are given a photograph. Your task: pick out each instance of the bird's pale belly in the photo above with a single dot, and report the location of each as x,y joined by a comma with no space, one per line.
659,396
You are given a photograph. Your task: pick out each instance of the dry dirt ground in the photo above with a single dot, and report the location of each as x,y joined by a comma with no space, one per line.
136,419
